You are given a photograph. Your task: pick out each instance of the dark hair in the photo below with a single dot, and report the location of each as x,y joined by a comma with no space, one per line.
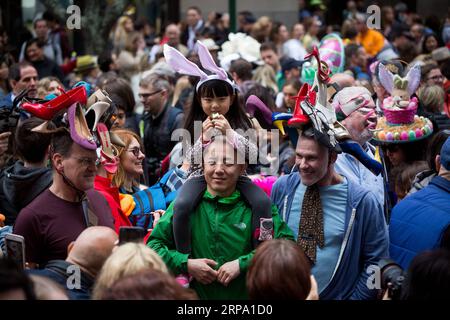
121,94
425,69
32,146
195,8
429,276
148,285
424,46
405,176
242,67
104,60
413,151
279,270
434,148
295,83
265,95
273,36
61,143
50,16
6,58
268,46
11,278
445,68
38,20
30,42
216,88
350,50
14,70
248,16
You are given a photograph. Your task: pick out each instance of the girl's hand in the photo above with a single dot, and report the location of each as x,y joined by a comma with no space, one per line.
221,123
157,214
207,130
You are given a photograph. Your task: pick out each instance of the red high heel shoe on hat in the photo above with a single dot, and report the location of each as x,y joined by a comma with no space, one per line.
48,110
322,66
299,118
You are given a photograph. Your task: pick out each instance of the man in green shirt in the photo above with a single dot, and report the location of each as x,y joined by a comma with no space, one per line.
221,230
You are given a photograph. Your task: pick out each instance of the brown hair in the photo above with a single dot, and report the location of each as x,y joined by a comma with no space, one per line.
279,270
121,93
126,136
148,285
405,178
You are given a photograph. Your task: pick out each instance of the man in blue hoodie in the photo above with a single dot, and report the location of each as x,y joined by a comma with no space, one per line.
338,223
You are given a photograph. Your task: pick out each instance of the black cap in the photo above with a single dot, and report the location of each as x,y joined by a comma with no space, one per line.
290,63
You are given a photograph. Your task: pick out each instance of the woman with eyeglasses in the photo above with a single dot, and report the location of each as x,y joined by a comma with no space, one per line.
130,168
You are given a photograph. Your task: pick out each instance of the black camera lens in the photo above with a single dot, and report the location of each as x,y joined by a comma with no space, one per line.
392,278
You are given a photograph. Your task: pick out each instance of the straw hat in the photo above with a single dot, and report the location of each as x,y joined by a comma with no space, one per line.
85,63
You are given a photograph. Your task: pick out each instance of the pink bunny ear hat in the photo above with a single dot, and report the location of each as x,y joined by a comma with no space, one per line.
182,65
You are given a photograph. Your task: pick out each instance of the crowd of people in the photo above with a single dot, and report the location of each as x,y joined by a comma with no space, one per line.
255,171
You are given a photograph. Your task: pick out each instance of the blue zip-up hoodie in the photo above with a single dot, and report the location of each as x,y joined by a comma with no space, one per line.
366,239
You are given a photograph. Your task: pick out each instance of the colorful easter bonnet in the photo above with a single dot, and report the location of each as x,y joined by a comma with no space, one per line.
400,124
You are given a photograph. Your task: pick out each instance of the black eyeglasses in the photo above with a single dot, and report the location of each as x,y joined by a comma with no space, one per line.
437,78
87,162
146,95
136,151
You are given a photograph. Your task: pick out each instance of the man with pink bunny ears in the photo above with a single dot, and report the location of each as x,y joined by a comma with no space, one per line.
355,108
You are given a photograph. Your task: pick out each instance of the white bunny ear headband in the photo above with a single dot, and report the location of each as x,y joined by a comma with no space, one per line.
413,78
182,65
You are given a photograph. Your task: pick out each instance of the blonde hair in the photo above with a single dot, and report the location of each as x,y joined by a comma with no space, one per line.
44,84
126,136
131,40
432,98
127,259
265,76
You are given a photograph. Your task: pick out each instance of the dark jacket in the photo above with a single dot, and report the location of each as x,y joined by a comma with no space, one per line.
6,102
19,186
365,240
65,273
47,68
420,221
158,132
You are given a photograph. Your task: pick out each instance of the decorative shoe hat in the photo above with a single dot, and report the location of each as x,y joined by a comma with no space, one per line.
331,50
182,65
313,108
400,124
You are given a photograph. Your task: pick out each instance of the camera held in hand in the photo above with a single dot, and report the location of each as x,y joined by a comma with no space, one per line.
392,279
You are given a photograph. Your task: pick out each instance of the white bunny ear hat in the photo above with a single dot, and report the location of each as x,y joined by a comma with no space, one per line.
182,65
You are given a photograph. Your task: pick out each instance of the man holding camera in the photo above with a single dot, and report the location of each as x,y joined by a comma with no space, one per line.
422,220
160,120
22,76
338,223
